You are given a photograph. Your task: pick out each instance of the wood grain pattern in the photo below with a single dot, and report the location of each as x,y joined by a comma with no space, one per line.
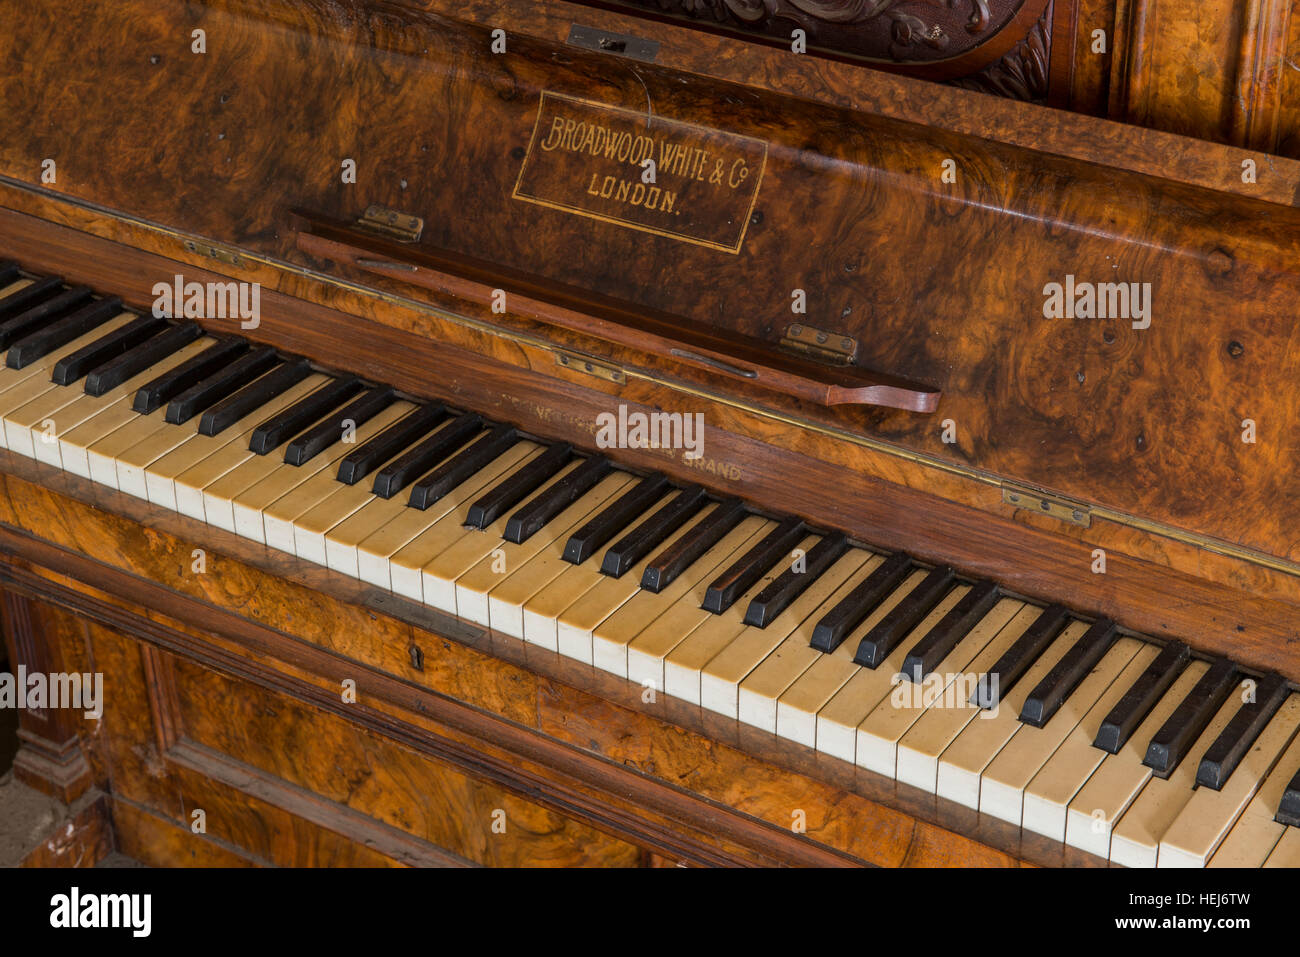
47,641
938,281
756,457
1092,392
647,807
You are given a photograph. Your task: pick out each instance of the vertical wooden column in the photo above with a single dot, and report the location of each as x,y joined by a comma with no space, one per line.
44,639
1262,61
1214,69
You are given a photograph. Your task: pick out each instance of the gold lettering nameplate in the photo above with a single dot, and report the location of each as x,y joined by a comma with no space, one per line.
642,171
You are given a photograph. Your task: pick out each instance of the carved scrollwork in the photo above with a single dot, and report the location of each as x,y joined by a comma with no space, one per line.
1020,75
909,26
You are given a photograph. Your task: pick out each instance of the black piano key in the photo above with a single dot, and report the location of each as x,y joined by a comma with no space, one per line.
41,299
329,430
1059,683
1288,809
1138,701
220,385
853,608
940,640
530,519
681,554
105,349
652,533
8,272
284,425
28,296
744,572
614,518
790,584
250,398
1179,733
42,315
878,643
153,395
357,465
395,476
41,342
510,491
1231,745
462,465
1019,658
23,299
149,353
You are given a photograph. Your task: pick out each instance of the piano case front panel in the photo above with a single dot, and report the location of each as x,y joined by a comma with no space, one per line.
226,694
211,158
942,284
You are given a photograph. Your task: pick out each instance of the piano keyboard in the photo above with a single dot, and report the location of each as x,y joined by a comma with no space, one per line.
1129,749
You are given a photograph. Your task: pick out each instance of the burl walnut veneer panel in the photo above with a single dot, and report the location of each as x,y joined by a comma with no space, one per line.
939,282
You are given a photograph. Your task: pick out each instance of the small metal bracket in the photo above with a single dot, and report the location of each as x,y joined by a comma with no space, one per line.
834,348
590,367
227,256
1062,509
602,41
392,223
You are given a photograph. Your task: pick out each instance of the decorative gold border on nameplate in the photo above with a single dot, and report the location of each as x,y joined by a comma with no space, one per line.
667,233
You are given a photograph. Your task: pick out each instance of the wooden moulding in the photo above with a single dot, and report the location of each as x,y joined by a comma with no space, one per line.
664,337
1152,584
663,776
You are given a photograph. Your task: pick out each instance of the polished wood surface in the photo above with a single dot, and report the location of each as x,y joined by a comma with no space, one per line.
1151,584
672,780
1075,406
924,223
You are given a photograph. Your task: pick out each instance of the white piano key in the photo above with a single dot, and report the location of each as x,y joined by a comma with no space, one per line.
1255,834
1048,795
920,747
1286,853
720,678
398,553
682,666
1205,821
647,651
760,690
161,474
474,587
438,575
288,481
836,724
1003,781
809,692
876,747
963,761
1119,779
612,636
1135,838
576,626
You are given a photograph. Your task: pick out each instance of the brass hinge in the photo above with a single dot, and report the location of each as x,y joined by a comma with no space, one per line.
392,223
830,347
227,256
590,367
1059,508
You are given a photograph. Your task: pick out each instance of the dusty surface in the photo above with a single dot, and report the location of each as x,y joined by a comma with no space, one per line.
26,816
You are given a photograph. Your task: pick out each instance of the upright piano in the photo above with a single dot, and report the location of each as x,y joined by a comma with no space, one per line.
745,432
